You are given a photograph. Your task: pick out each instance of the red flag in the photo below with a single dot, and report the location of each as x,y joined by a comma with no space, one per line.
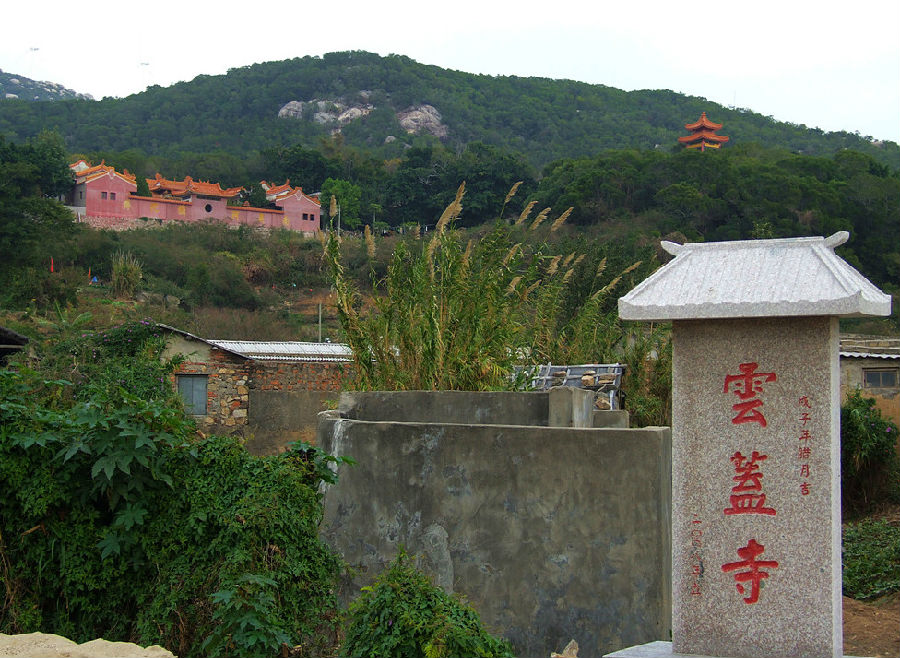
51,263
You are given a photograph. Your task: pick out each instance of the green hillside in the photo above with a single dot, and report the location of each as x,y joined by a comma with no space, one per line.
541,118
14,87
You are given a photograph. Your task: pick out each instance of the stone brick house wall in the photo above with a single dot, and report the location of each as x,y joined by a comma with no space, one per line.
872,365
274,399
296,376
228,375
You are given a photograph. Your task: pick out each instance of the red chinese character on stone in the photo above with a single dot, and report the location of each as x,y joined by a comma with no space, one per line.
746,386
804,489
804,402
804,470
804,418
805,435
747,496
804,453
753,574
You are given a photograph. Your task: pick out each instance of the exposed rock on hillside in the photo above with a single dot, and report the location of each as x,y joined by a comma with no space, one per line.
35,90
415,120
420,119
324,111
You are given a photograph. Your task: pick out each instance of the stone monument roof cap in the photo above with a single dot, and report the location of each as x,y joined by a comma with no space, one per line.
754,278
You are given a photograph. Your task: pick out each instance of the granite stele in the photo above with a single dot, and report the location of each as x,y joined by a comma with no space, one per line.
756,562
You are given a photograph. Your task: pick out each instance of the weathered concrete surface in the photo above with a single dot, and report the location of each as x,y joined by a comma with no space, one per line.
562,406
658,650
551,533
570,407
494,408
618,418
279,417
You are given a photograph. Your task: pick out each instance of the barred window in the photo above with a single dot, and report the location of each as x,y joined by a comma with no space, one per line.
193,392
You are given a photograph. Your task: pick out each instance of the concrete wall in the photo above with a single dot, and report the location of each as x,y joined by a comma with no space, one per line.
558,407
550,533
281,417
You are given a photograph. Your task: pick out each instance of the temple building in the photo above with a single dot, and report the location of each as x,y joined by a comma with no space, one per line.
703,134
105,198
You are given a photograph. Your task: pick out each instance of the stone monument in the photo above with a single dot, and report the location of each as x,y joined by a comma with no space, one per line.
756,533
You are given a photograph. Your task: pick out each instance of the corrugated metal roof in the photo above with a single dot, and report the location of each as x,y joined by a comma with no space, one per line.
870,355
286,350
754,278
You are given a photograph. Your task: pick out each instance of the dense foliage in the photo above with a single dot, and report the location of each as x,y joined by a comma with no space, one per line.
543,119
871,558
116,522
30,174
458,314
870,468
403,615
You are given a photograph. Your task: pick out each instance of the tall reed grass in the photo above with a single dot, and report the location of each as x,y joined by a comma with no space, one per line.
451,314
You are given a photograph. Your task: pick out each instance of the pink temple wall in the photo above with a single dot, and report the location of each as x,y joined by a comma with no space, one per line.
295,206
126,206
116,192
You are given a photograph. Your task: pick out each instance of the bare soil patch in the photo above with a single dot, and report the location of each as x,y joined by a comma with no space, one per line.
872,628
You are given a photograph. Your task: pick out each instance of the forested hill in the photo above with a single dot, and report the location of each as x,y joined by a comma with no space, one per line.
18,86
541,118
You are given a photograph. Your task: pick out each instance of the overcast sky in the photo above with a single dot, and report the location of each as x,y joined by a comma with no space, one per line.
825,64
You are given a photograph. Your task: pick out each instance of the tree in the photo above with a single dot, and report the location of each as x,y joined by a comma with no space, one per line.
143,189
348,199
28,218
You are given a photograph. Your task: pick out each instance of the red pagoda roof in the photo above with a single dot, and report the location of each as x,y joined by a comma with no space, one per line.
276,192
703,123
189,187
705,135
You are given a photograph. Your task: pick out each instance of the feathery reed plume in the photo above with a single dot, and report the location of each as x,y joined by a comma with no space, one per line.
512,192
512,252
323,237
451,211
432,245
540,218
417,231
612,284
467,254
554,265
561,219
332,209
509,195
370,242
531,288
525,212
578,260
568,259
568,275
512,285
631,268
605,289
600,268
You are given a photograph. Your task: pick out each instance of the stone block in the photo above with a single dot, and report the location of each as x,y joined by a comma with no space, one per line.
756,505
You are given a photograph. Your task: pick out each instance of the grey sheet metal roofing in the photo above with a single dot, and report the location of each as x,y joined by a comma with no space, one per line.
754,278
869,355
285,350
262,350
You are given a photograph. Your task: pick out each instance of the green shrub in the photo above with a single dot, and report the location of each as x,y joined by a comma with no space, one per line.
127,272
871,556
404,615
116,522
869,466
